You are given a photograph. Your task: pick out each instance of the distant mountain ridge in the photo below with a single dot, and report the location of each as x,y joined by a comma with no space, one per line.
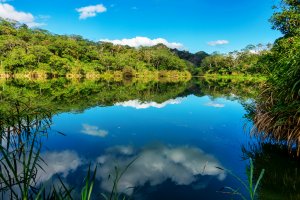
194,58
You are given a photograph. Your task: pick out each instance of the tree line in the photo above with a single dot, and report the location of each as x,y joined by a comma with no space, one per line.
244,61
24,49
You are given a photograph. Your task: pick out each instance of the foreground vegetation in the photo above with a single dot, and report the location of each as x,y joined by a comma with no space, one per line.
277,110
281,179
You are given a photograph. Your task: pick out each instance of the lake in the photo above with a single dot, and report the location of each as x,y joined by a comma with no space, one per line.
171,140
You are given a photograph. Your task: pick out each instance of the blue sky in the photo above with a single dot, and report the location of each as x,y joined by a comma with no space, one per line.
209,25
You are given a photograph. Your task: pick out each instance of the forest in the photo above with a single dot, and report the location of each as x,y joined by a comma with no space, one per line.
36,51
26,50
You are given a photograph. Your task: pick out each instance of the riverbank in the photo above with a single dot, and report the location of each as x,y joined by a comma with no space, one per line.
238,77
116,76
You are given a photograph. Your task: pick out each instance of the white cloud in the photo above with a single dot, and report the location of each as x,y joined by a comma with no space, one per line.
215,105
8,12
91,11
93,130
58,163
218,42
144,41
144,105
156,164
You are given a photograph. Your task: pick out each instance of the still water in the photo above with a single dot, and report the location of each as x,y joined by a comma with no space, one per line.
171,141
178,144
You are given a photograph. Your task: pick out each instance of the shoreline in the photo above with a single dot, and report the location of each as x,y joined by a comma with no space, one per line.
163,75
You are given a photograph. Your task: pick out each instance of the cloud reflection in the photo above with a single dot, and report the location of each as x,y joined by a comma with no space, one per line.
215,105
156,164
93,130
144,105
62,162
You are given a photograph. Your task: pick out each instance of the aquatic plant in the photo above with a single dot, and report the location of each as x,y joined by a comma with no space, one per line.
114,193
250,185
282,179
89,184
20,149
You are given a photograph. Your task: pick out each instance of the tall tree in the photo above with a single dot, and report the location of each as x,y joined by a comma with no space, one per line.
287,17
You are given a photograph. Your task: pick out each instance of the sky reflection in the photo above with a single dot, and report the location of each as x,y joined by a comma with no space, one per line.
137,104
155,164
61,163
93,130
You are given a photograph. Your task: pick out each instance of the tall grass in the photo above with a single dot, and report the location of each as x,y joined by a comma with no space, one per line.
282,179
277,115
114,193
20,149
86,191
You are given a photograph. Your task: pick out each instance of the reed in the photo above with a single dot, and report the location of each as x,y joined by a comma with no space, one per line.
274,121
86,191
114,194
250,185
20,150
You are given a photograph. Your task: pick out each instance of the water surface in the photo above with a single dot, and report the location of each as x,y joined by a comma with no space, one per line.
174,136
178,145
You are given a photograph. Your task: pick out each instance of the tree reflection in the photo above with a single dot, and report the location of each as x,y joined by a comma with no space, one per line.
62,95
282,175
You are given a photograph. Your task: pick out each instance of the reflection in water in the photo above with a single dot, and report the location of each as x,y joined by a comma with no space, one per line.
143,105
58,163
93,131
215,105
156,164
27,122
63,95
271,124
282,175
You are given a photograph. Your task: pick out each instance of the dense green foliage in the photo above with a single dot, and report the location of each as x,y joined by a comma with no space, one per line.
286,18
284,58
237,62
23,49
278,108
194,59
